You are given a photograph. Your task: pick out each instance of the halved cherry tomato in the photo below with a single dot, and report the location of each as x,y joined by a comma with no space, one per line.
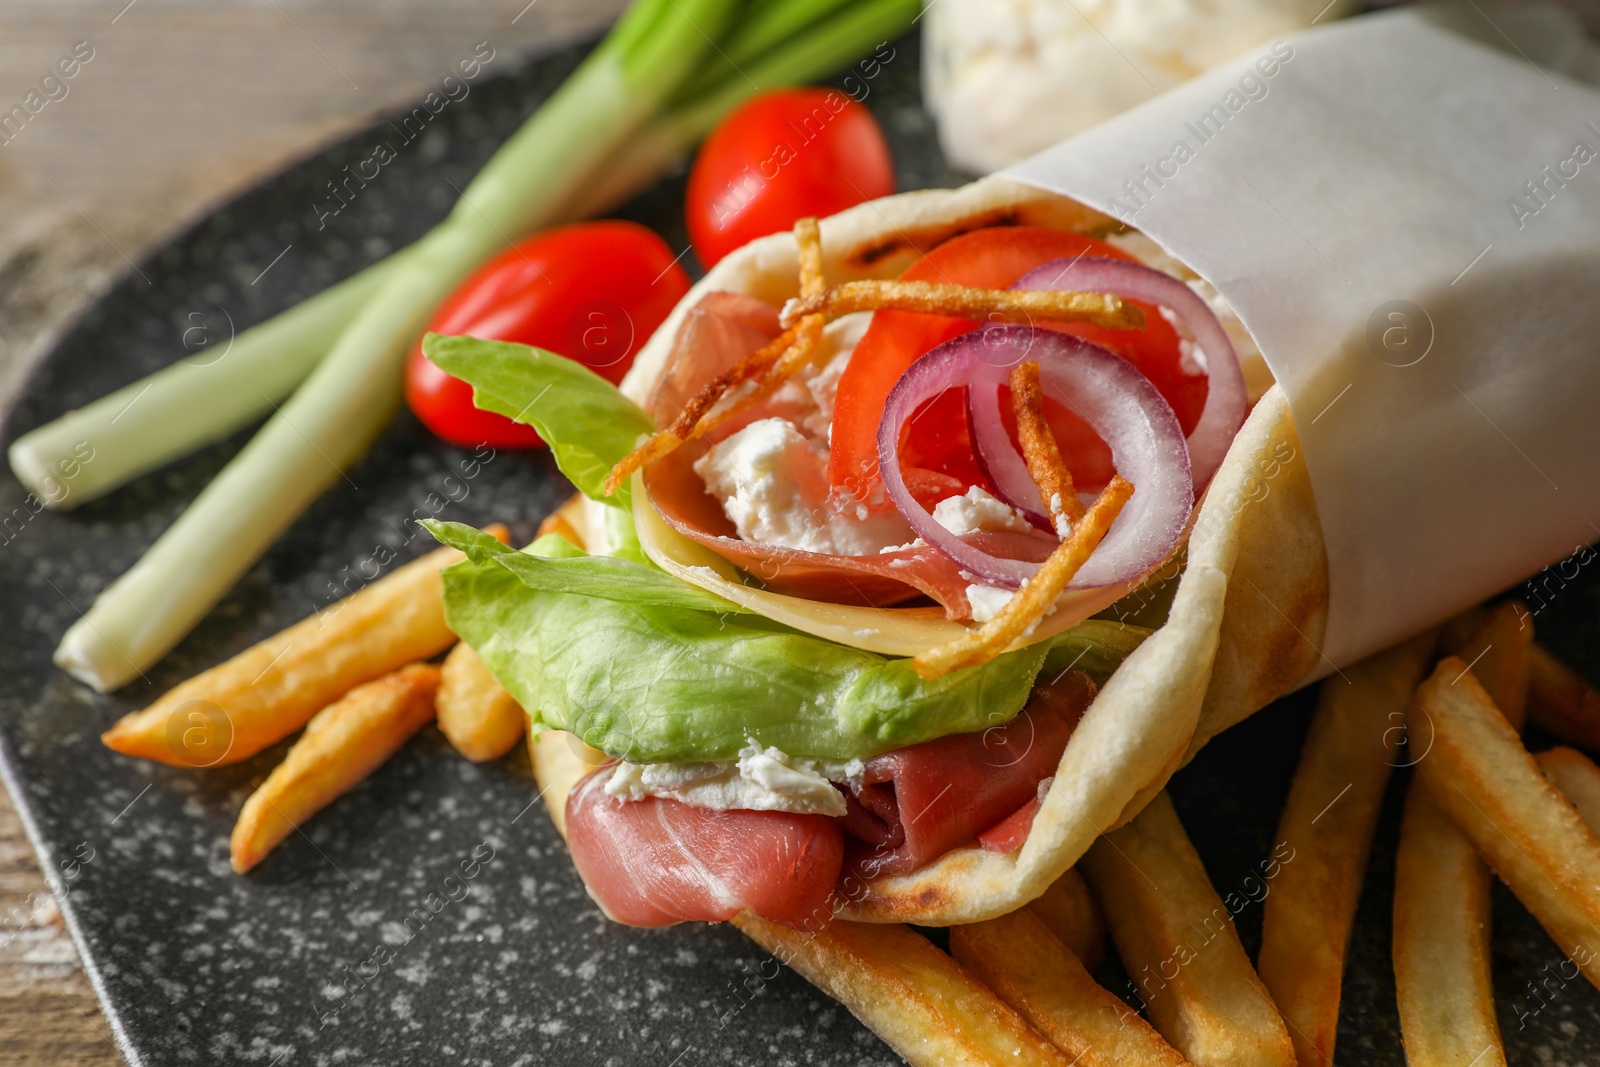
938,437
593,292
782,156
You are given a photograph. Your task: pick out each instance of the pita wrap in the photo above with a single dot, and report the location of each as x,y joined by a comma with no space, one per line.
1243,627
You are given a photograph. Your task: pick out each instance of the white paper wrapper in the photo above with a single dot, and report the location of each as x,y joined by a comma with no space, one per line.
1353,192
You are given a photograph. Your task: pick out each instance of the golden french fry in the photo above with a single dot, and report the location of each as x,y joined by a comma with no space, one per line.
1441,893
270,690
1576,776
566,520
1560,701
1486,782
1498,650
1178,944
1019,958
479,717
342,744
1328,821
919,1000
1071,914
1441,943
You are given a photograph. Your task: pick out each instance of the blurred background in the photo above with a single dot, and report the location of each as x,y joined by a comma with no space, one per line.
178,105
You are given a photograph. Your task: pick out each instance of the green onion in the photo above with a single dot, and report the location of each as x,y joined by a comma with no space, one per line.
187,405
561,153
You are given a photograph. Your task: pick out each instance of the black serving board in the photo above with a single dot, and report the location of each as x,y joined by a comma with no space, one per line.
513,965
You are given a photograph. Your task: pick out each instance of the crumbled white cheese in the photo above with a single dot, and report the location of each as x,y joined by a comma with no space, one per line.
987,600
761,779
1058,515
773,484
977,510
1008,78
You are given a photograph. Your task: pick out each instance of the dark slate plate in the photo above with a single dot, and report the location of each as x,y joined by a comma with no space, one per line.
329,952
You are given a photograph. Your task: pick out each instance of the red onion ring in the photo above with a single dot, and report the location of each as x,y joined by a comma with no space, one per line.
1226,401
1109,393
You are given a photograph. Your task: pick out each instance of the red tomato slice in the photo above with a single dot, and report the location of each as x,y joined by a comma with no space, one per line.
991,258
593,292
782,156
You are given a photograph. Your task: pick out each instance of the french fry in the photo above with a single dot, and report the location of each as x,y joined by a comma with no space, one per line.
1177,941
270,690
1328,821
919,1000
1070,913
565,520
1040,451
1534,839
1019,958
1577,777
480,718
934,298
1560,701
342,744
1441,943
1441,895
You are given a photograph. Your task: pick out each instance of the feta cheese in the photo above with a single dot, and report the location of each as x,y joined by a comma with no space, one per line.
977,510
1008,78
987,600
761,779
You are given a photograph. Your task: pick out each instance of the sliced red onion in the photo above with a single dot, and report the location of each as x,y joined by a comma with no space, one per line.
1109,393
1225,393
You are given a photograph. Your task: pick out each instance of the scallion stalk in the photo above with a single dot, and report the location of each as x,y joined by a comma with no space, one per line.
188,405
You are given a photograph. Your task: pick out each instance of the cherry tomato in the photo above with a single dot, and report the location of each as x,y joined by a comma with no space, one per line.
938,438
779,157
593,292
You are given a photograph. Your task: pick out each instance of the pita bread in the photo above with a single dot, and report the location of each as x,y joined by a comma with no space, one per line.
1244,626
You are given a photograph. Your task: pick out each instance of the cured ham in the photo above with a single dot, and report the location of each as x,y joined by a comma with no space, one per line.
655,862
721,330
917,803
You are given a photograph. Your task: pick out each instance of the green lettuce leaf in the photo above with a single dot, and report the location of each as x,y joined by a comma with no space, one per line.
588,424
553,564
662,682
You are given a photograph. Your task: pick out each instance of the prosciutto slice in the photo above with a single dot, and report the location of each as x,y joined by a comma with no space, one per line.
917,803
655,862
722,329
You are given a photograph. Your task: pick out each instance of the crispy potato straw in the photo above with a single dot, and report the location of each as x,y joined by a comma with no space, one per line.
270,690
1034,600
1328,820
1577,777
342,744
964,302
1179,946
1532,836
1560,701
1019,958
476,714
1040,451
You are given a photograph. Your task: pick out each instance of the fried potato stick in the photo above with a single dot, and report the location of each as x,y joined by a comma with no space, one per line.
1534,839
1034,600
959,301
1177,942
479,717
1069,911
925,1005
1576,776
1442,919
1560,701
270,690
342,744
1019,958
1040,451
1328,820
